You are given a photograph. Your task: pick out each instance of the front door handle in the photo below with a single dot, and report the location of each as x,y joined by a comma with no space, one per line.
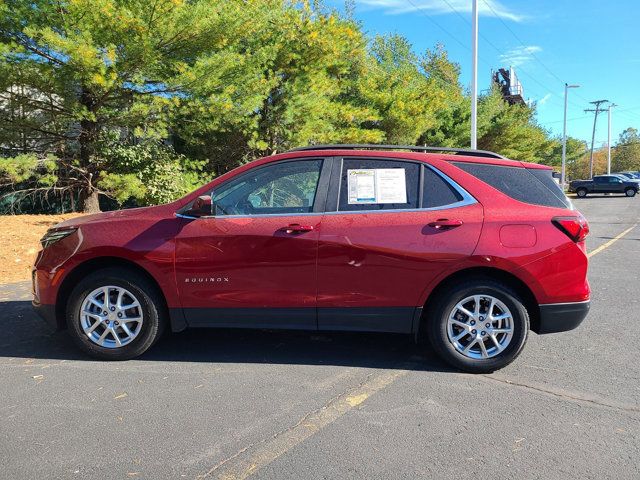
445,224
297,228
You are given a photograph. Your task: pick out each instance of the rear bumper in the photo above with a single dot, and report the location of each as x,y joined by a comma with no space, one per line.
47,313
560,317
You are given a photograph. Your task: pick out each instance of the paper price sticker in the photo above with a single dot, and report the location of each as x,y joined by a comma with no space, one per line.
379,185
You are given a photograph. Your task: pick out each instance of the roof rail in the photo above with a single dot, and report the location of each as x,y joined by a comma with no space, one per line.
413,148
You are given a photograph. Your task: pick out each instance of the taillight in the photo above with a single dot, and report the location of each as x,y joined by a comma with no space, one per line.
576,228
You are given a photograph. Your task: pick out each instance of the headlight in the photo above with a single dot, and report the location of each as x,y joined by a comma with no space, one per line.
52,236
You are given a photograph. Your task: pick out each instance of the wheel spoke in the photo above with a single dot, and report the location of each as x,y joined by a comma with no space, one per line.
483,349
496,343
126,329
502,330
106,298
103,336
119,300
464,311
114,333
130,319
92,315
97,304
460,335
460,324
93,327
473,341
491,306
135,304
502,316
476,308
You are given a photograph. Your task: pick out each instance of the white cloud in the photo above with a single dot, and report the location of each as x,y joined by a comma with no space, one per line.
519,55
436,7
544,99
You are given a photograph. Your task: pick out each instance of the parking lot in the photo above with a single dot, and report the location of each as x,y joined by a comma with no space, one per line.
234,404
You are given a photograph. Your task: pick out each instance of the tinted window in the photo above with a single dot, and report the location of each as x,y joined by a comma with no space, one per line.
368,184
286,187
600,179
529,185
437,191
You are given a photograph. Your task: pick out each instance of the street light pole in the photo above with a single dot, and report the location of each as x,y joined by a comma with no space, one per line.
564,135
611,105
474,75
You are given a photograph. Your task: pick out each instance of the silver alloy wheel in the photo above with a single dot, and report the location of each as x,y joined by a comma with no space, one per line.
111,316
480,326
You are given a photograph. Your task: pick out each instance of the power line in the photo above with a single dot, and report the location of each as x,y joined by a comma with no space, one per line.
500,51
570,119
533,55
422,12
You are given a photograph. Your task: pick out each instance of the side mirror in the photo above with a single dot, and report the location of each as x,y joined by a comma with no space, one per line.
201,207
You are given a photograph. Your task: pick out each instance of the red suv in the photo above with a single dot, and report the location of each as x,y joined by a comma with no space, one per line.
464,248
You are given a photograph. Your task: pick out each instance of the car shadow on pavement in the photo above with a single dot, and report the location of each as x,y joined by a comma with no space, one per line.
27,336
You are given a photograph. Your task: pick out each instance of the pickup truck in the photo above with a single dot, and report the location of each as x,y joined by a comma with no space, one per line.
604,184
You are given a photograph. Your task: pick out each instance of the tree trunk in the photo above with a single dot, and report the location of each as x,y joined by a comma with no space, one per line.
89,130
89,201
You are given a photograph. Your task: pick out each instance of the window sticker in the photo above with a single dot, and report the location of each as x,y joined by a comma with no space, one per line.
362,186
379,185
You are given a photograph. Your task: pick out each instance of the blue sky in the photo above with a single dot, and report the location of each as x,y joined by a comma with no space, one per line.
592,43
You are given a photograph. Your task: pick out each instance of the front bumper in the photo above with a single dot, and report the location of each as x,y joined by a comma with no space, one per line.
561,317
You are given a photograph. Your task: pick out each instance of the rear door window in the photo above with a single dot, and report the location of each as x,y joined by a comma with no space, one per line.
528,185
378,184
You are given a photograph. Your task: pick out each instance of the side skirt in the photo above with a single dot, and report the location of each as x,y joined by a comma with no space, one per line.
357,319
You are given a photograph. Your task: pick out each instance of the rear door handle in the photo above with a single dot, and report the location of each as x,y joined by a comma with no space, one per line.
445,224
297,228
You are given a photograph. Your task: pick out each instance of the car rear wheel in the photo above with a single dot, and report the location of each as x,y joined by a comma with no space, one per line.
581,192
630,192
115,314
479,325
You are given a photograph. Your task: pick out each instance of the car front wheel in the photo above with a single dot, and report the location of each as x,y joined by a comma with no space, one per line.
115,314
479,325
630,192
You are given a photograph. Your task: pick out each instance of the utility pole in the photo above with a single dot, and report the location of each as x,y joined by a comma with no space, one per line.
597,110
611,105
564,135
474,75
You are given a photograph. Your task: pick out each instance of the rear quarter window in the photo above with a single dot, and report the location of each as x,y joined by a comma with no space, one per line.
528,185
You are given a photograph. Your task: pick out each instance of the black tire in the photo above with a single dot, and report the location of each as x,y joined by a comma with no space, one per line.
630,192
581,192
437,316
152,307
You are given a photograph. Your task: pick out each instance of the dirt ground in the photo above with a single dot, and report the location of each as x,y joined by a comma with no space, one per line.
20,241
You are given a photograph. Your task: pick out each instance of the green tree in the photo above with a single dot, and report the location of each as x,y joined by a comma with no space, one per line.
291,84
396,84
626,153
79,72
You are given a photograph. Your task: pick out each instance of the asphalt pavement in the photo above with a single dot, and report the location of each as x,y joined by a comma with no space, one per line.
274,405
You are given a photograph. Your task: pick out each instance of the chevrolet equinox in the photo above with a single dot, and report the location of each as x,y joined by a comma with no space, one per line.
463,248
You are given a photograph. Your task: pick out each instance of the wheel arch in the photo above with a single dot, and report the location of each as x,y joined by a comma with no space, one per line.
497,274
83,269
